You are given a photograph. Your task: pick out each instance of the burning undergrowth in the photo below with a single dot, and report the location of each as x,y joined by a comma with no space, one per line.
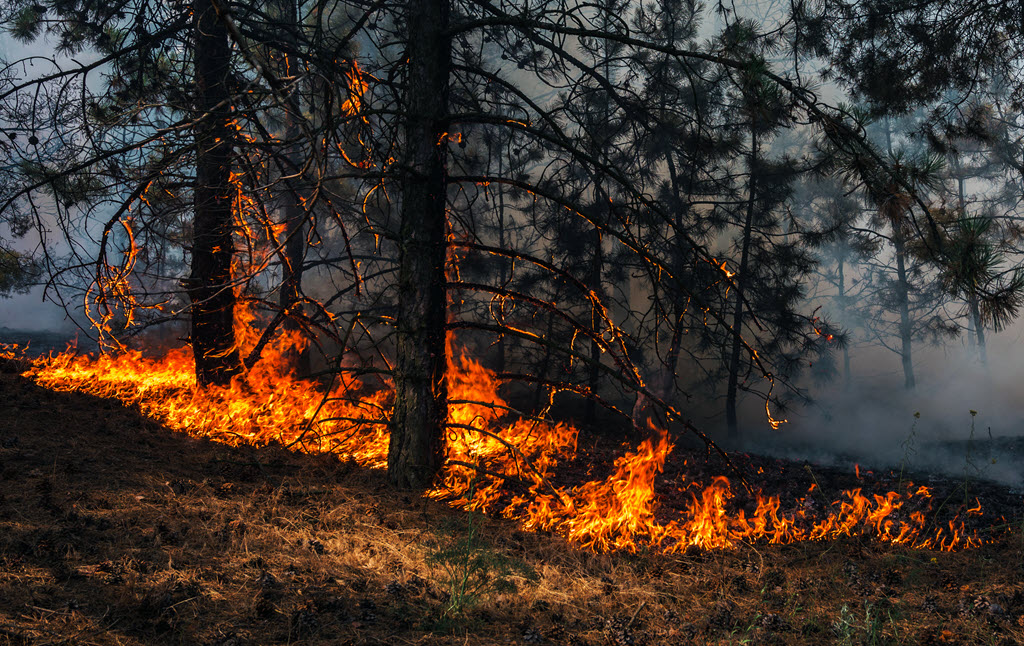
122,532
529,469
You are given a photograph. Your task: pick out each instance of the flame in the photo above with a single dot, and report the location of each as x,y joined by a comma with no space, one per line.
498,460
818,328
721,266
357,88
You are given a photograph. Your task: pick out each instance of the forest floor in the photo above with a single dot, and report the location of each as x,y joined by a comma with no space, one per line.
114,530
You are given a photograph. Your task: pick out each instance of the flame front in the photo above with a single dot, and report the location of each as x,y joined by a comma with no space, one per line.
498,460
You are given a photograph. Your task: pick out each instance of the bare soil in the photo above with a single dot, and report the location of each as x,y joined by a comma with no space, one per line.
114,530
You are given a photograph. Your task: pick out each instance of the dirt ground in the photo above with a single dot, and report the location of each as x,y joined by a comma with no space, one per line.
114,530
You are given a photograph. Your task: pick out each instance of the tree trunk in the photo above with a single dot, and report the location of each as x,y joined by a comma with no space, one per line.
971,334
982,351
847,376
594,367
293,215
209,285
681,303
500,366
737,323
675,345
903,298
542,369
973,321
979,329
415,454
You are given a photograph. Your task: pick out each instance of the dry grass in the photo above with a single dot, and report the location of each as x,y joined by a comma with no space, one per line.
116,531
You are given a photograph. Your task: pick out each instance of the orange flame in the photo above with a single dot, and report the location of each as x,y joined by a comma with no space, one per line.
357,87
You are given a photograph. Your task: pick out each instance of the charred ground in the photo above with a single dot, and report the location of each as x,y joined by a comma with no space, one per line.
118,531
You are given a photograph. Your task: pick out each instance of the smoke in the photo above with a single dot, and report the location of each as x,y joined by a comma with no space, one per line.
31,312
963,419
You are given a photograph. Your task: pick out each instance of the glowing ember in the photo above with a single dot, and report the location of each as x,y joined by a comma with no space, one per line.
498,460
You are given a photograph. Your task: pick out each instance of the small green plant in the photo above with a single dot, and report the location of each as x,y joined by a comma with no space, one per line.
845,628
471,569
850,630
744,636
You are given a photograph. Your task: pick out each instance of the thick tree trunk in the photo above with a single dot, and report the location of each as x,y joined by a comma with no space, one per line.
209,286
732,390
421,401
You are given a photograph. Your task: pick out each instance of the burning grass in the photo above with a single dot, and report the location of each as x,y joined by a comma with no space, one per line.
508,464
118,531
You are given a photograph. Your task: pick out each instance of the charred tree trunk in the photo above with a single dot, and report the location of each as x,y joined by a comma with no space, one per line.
294,217
542,370
681,303
503,275
676,343
415,454
594,367
293,214
209,285
500,350
732,390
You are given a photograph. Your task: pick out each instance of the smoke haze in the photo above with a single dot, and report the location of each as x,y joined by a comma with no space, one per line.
876,422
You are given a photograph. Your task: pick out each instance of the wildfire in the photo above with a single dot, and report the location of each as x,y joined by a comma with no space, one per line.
499,461
357,87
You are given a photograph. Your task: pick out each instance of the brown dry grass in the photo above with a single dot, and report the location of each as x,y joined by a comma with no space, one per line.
117,531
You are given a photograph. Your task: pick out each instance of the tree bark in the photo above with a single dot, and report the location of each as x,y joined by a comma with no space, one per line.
594,367
209,285
542,370
732,389
979,329
293,215
503,273
906,330
415,454
971,334
847,374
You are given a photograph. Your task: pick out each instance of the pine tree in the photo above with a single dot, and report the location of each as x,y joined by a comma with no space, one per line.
210,284
905,302
420,412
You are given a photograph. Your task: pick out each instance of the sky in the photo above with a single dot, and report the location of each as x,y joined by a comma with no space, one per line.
29,311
